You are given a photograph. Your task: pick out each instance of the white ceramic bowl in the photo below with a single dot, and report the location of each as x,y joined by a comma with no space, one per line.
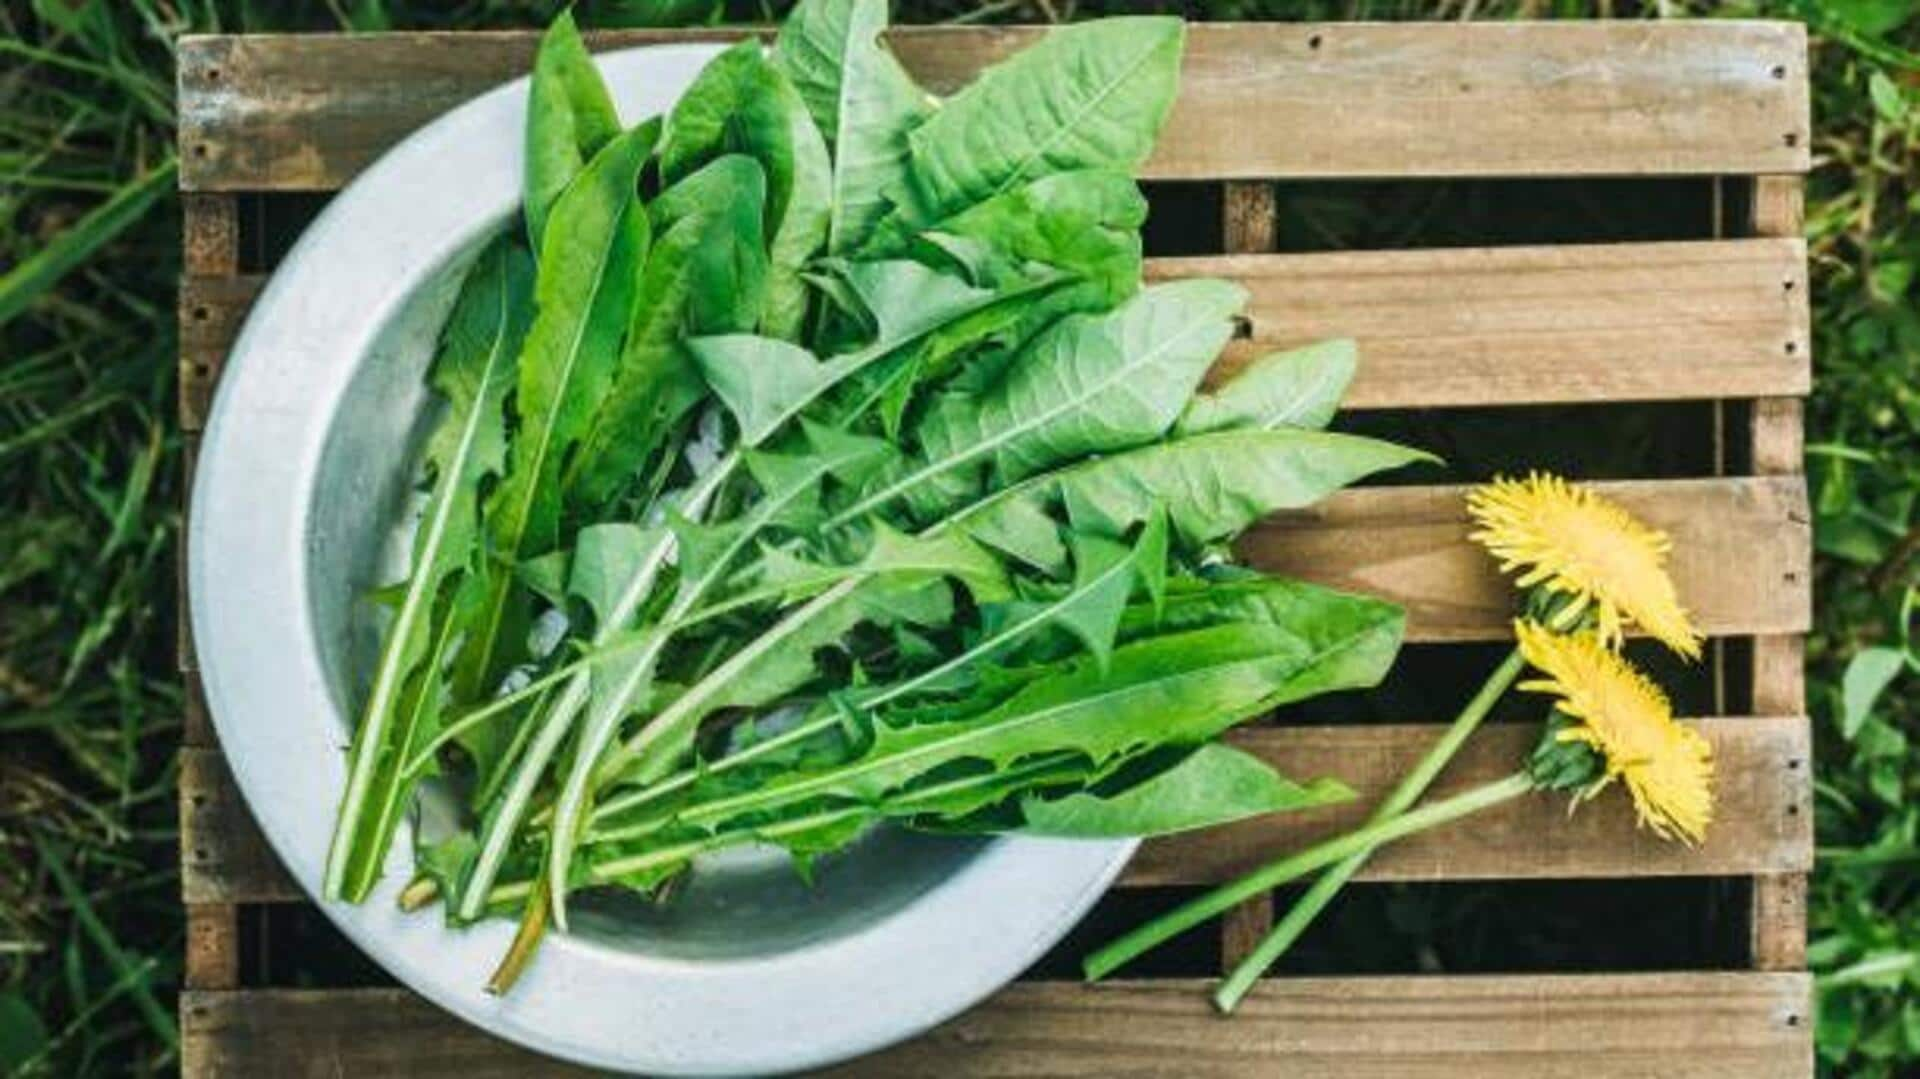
299,507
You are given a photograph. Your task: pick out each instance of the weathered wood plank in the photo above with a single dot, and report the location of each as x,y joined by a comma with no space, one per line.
1249,224
1739,557
1763,821
1679,1026
223,857
212,310
1763,816
1475,326
305,112
1515,325
1777,910
209,234
183,654
212,958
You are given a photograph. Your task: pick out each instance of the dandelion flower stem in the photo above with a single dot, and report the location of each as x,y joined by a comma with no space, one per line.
1412,786
1180,919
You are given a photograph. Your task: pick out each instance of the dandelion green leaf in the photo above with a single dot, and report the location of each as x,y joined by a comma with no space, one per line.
570,116
1087,96
473,371
1215,784
595,239
1298,388
863,102
741,103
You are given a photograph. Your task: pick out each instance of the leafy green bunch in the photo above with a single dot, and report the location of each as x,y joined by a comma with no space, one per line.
834,425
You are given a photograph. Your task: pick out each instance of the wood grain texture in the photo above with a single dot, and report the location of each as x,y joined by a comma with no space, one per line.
1243,927
1515,325
212,310
1777,936
212,958
1249,224
1777,908
1475,326
1740,549
209,234
210,249
306,112
1763,819
1763,825
1678,1026
224,859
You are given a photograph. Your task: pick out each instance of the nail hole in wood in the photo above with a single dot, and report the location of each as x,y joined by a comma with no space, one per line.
201,314
200,149
213,74
1793,765
1787,284
1791,138
1793,347
200,854
1779,71
1313,42
1793,811
1242,327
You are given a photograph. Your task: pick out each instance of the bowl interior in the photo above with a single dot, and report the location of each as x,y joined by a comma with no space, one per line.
741,904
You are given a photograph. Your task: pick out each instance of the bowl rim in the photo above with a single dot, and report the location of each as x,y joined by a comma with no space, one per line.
251,517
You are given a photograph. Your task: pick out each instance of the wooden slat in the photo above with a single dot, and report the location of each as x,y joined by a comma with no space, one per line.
212,958
1763,814
1477,326
1678,1026
1515,325
1256,100
1739,553
223,857
183,652
1249,224
212,310
1763,818
209,235
1777,910
210,250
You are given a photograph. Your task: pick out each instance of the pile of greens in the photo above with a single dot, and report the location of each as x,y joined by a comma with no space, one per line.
825,463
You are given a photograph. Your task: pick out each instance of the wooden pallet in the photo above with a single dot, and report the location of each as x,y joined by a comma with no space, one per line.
1721,320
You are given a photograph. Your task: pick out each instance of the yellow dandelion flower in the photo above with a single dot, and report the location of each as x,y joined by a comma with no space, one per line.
1578,544
1666,767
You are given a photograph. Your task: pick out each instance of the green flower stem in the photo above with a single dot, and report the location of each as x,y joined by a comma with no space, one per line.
1182,918
1288,929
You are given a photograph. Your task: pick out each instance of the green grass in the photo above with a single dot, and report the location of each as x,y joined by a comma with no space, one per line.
90,926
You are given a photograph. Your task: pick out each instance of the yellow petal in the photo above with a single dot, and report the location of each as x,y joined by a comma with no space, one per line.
1573,542
1666,767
